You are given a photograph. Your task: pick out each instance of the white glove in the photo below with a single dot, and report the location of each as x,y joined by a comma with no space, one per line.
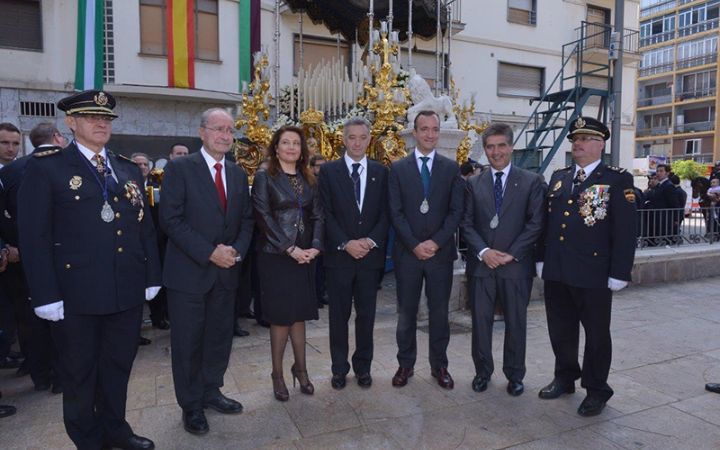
539,268
53,311
616,285
151,292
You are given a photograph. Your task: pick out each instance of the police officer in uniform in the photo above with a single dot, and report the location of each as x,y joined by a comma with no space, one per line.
588,253
91,258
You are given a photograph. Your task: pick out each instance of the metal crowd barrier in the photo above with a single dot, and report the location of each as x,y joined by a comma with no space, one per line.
676,226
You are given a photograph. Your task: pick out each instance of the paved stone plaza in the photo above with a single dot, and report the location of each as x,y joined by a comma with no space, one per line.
667,346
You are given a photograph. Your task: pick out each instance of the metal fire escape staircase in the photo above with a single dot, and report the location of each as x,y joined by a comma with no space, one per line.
564,98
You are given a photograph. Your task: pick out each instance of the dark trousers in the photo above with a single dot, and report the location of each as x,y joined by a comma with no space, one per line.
345,286
567,307
409,276
513,296
96,357
243,299
43,358
158,307
201,339
320,279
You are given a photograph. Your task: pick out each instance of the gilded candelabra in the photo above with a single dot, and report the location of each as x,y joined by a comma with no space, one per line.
319,138
464,115
252,118
386,102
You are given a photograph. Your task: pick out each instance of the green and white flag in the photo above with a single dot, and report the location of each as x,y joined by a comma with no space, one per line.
90,55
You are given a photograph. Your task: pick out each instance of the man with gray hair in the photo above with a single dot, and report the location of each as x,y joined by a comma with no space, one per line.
353,191
206,213
502,222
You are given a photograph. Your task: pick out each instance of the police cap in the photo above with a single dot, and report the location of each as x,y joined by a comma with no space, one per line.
88,102
588,125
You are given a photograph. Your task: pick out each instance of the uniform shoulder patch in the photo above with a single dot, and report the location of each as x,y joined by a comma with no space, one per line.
563,168
46,153
616,169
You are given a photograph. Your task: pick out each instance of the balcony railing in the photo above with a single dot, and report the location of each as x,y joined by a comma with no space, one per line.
698,27
653,101
701,60
703,158
670,4
698,93
654,131
657,38
695,126
597,35
653,70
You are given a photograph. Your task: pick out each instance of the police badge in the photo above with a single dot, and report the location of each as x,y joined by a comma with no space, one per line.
75,182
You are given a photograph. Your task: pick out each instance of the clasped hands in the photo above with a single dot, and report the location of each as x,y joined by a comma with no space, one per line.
495,258
358,248
224,256
302,256
426,250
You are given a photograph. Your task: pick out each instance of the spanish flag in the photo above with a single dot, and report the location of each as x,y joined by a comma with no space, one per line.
180,27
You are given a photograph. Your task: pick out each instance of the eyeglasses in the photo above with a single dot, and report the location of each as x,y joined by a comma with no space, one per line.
226,130
585,138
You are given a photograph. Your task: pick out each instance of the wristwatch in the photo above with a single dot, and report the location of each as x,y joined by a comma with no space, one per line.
342,246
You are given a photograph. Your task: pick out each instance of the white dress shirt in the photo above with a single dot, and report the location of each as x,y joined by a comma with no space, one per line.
588,169
505,172
419,162
210,161
89,154
362,170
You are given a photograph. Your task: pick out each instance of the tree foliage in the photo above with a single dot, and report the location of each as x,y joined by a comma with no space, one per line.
688,169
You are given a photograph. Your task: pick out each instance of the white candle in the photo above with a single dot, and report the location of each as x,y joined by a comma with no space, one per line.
292,101
383,27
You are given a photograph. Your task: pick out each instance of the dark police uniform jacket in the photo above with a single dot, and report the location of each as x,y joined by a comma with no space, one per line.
69,252
583,255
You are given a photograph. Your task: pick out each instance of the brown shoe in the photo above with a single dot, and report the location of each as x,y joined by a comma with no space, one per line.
401,376
444,379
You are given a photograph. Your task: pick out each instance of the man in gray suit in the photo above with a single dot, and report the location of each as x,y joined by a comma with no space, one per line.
503,220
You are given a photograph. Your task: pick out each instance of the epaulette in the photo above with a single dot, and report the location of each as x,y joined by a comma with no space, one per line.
616,169
564,168
46,153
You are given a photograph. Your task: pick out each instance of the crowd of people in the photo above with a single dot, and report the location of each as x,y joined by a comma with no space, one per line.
86,247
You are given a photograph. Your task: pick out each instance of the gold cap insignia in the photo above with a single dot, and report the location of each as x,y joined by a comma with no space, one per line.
580,123
100,99
75,183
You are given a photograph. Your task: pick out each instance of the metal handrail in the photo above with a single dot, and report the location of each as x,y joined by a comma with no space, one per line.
677,226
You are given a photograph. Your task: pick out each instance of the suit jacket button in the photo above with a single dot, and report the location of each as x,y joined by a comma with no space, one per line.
115,199
562,238
570,202
117,214
119,232
68,266
566,213
563,226
120,250
594,253
77,197
360,223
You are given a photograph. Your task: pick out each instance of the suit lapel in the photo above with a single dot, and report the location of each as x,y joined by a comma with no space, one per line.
120,173
371,185
346,183
231,179
205,179
511,187
487,192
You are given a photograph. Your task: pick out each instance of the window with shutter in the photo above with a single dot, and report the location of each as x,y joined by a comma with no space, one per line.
515,80
21,24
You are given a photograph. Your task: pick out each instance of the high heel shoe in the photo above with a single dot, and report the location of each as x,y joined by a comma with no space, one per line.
307,387
279,388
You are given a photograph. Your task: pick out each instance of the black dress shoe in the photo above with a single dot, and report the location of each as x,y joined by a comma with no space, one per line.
364,380
195,422
10,363
134,442
515,388
223,405
591,406
444,379
400,378
320,305
480,383
337,381
713,387
57,388
144,341
161,324
7,410
239,332
555,389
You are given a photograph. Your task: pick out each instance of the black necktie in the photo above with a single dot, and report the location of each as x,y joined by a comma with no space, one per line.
355,175
498,192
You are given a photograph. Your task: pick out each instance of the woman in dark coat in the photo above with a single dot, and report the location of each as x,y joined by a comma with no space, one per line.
289,217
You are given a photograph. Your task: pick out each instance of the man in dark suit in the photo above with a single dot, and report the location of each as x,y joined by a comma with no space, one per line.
589,248
353,191
425,194
503,220
206,213
90,255
5,410
664,199
38,347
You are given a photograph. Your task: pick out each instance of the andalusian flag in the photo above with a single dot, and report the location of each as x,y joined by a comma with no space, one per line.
249,37
180,27
90,54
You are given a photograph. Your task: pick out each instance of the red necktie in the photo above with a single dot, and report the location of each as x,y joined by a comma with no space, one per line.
219,186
